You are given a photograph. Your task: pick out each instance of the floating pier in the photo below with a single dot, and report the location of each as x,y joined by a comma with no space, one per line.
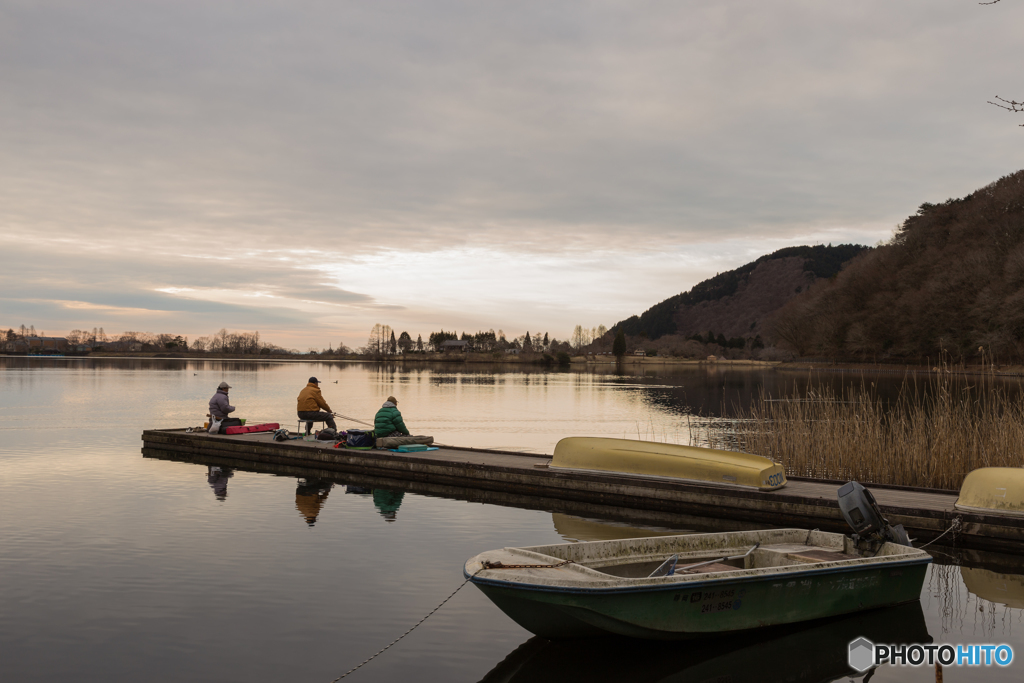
804,503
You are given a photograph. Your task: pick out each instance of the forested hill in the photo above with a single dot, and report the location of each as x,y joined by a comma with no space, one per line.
736,302
951,279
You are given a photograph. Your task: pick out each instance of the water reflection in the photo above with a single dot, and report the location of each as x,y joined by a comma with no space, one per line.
574,521
310,495
575,529
999,589
217,478
978,595
387,503
811,652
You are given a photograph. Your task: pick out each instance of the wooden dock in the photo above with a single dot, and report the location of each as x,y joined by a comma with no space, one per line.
802,503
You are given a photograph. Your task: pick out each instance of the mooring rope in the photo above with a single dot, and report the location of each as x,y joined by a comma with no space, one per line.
954,527
486,565
369,659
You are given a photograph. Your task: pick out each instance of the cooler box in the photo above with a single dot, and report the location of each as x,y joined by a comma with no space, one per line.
250,429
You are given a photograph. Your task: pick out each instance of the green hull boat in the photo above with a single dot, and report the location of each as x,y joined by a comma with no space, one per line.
677,587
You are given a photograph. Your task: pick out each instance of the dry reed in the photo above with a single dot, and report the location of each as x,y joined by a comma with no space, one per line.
929,436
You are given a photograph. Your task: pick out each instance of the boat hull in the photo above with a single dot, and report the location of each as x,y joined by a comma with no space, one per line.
993,490
668,461
701,609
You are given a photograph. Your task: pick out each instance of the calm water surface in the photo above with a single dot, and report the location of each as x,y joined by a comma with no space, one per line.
117,567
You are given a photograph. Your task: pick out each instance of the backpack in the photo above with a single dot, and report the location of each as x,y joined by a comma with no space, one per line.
326,435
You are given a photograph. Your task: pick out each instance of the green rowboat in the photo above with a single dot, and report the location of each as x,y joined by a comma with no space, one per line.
708,583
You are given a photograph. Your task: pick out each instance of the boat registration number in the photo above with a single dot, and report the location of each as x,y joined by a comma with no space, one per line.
775,479
716,601
719,606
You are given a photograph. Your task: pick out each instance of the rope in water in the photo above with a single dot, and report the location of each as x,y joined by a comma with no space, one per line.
954,527
486,565
369,659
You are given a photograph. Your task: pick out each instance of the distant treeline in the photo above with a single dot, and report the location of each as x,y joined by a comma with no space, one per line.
384,342
97,340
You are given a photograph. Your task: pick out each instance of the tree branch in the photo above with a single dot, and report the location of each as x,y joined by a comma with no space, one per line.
1009,105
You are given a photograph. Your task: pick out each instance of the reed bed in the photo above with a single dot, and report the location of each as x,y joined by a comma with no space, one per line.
931,435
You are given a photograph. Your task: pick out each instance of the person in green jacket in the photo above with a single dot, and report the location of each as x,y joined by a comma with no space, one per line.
388,421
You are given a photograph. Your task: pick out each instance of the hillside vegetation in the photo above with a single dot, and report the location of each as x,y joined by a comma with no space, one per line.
950,281
735,303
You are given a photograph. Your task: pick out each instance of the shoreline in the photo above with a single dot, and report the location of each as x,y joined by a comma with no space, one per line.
577,362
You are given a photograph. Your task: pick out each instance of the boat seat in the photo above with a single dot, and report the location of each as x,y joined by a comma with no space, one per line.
710,568
821,556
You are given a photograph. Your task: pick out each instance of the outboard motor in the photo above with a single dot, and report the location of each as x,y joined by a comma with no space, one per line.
870,528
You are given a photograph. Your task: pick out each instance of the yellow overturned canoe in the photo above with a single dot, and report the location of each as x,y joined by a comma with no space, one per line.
993,490
651,459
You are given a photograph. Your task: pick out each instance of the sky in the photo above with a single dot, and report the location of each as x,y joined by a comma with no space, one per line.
310,169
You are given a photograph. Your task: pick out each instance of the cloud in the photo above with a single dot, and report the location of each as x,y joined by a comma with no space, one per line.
481,161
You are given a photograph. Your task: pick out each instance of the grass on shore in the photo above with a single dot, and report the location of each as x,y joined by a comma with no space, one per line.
932,435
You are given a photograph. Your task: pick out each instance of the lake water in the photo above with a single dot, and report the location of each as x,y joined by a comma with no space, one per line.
117,567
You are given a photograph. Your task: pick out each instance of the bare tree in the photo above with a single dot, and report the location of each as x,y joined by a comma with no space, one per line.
794,325
378,339
1009,105
579,337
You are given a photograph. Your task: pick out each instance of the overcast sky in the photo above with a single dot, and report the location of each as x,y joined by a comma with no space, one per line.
308,169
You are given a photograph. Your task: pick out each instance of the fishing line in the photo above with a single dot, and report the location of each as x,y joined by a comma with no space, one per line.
351,419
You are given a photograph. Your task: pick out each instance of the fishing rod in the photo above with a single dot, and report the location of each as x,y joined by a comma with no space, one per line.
351,419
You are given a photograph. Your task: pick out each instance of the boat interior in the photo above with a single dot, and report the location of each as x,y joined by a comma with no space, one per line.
690,555
778,555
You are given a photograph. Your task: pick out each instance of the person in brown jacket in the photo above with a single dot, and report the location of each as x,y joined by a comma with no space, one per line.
310,402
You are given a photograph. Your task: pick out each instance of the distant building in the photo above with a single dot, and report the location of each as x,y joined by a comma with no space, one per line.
16,346
712,359
639,352
47,344
454,346
512,352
